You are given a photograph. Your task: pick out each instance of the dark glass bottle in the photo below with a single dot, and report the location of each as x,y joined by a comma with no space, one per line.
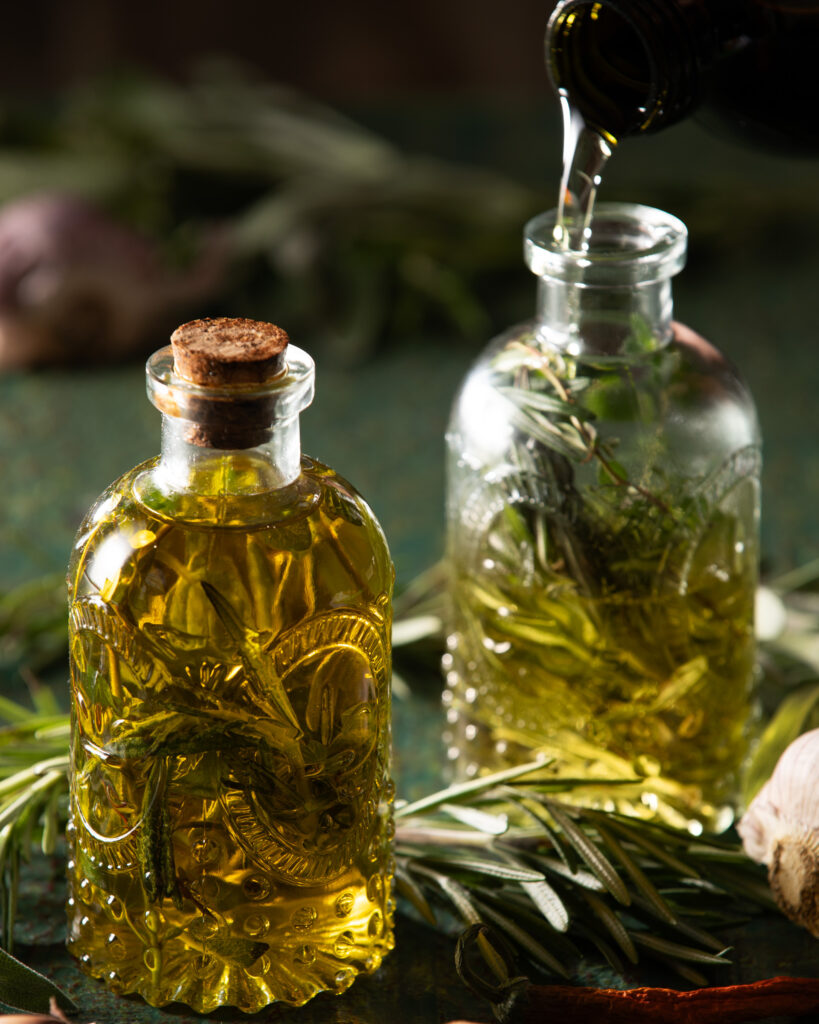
746,66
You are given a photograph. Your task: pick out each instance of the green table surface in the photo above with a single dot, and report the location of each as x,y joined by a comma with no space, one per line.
751,287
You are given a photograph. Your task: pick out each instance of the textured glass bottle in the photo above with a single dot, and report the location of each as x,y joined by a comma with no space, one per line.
603,467
230,613
747,66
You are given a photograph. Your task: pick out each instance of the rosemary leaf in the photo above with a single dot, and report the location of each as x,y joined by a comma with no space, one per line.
637,875
491,868
535,811
543,896
679,951
15,809
704,938
659,853
43,698
535,949
543,402
424,834
548,903
466,789
585,879
489,824
11,711
598,863
739,884
51,823
607,951
420,627
58,732
10,902
454,890
25,989
412,893
613,925
690,974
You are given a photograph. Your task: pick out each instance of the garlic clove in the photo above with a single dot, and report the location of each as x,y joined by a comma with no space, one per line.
761,827
781,830
794,880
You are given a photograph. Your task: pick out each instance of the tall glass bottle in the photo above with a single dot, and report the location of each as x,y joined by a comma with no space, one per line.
633,66
603,465
230,606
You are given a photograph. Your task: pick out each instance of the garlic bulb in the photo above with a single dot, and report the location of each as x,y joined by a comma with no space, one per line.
781,830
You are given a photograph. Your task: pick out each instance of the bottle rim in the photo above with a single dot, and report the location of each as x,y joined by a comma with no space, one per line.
281,398
664,85
629,244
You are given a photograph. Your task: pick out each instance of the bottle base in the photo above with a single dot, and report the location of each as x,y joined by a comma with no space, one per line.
206,984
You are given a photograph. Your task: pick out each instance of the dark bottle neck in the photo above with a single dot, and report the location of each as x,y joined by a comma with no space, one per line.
633,66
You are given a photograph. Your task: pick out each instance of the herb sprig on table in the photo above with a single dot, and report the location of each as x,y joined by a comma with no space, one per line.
556,881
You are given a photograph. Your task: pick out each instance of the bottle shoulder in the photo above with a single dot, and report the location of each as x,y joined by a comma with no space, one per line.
320,527
684,399
318,491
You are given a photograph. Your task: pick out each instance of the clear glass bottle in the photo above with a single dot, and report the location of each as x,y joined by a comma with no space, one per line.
635,66
230,607
602,510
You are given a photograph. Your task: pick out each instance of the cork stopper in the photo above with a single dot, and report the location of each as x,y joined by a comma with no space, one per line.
222,353
228,350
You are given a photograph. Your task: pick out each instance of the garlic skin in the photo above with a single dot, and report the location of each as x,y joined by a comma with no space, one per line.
781,830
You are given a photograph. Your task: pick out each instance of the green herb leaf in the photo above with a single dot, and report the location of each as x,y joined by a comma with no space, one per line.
463,790
24,989
791,720
535,949
613,925
598,863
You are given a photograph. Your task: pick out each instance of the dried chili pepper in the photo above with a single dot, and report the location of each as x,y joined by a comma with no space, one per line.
730,1004
516,1001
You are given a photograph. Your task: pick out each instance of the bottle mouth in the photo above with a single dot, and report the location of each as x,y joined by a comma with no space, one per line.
603,62
626,67
629,244
231,416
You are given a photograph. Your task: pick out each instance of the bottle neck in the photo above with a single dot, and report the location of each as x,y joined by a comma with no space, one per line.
632,66
187,468
604,321
613,297
229,441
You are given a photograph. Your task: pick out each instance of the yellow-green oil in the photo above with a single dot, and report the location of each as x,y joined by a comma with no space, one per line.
230,824
640,690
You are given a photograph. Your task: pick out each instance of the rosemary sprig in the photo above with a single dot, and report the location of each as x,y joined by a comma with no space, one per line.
621,901
33,788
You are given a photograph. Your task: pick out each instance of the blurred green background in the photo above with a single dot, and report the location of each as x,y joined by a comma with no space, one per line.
372,169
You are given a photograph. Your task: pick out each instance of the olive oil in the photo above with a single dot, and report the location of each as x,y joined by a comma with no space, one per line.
231,796
586,151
